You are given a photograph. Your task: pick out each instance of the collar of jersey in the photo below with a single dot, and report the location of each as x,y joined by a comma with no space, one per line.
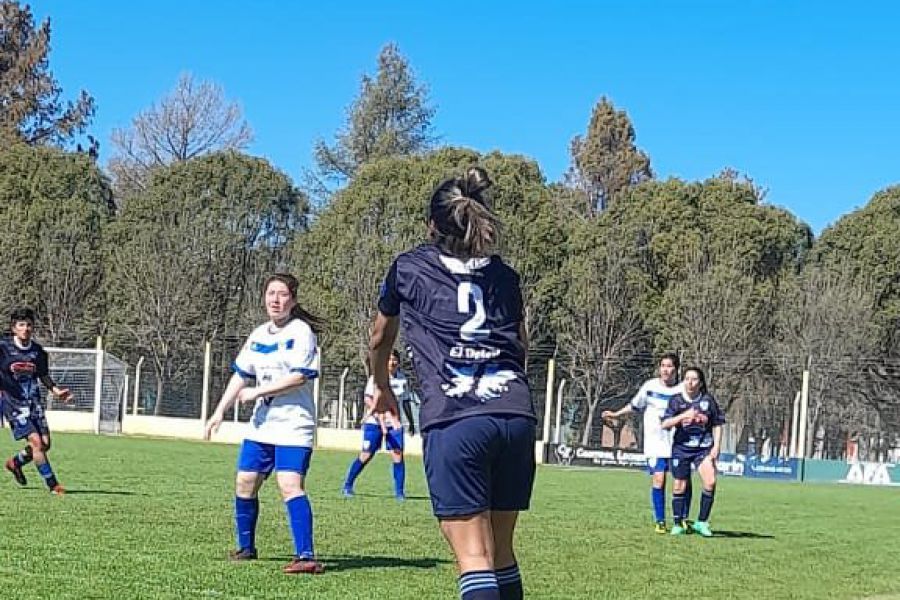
459,267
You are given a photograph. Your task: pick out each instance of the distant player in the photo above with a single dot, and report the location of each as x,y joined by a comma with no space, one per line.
403,392
24,363
281,356
380,428
652,400
697,421
462,313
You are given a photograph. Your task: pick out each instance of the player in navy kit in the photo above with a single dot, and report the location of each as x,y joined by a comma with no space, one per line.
462,315
697,420
23,364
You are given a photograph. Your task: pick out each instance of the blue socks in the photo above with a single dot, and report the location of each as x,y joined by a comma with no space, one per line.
510,582
706,503
47,473
399,478
478,585
246,512
658,497
355,469
300,518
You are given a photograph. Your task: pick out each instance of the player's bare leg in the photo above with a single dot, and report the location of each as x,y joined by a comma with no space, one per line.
471,538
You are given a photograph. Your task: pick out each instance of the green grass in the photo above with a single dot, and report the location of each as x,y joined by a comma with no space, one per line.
152,519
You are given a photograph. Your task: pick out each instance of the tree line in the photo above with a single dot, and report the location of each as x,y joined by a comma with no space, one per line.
166,245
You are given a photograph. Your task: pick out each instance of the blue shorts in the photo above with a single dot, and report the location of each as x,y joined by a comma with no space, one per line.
256,457
685,459
373,436
25,420
657,465
479,463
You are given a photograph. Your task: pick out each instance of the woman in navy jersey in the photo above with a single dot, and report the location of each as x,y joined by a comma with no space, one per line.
697,421
461,310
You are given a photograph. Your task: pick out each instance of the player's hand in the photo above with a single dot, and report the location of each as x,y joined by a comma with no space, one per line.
248,394
383,401
64,395
212,426
714,454
608,415
688,416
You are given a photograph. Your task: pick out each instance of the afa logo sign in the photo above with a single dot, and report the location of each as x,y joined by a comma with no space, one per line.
866,473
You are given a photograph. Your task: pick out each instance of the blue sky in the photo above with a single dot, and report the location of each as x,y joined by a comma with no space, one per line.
804,97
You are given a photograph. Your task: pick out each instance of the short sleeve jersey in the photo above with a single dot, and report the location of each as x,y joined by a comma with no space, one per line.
652,400
695,436
461,319
268,355
21,370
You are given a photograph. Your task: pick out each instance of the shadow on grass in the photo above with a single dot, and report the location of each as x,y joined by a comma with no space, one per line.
746,535
102,493
349,563
369,495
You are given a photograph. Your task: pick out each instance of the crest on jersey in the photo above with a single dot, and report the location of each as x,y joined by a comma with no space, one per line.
488,386
704,405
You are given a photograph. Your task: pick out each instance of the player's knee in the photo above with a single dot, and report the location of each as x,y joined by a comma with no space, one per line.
397,456
245,485
291,489
365,457
679,485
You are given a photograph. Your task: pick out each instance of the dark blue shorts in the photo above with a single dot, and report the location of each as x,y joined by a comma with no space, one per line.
683,460
25,420
257,457
479,463
373,436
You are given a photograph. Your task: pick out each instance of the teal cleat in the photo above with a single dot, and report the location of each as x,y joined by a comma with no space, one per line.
702,527
678,529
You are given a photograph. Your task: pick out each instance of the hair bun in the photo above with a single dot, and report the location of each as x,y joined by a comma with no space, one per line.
475,182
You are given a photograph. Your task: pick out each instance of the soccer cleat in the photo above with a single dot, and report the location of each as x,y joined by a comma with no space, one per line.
242,554
16,471
303,565
58,490
678,529
660,527
347,492
401,497
702,527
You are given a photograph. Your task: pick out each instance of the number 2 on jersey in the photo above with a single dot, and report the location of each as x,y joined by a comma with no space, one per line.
469,293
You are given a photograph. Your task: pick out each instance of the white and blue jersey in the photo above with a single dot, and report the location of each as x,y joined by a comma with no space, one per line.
270,354
652,400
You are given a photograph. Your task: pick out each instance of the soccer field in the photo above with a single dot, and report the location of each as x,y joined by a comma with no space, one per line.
149,518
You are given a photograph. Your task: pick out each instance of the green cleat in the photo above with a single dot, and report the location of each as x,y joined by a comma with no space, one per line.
678,529
660,527
702,527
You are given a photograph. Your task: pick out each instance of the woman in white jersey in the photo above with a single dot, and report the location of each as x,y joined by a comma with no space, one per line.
381,428
653,400
281,356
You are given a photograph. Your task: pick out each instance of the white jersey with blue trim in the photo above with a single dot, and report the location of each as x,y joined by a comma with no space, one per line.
271,354
653,400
